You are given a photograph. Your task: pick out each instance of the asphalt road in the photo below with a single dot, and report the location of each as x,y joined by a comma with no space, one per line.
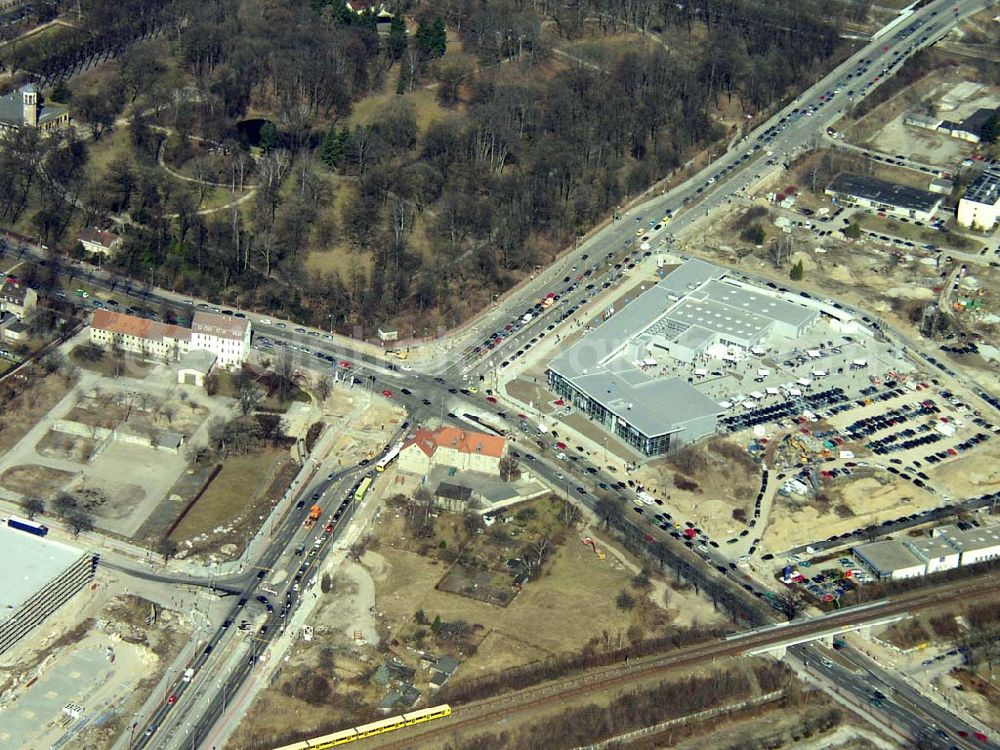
889,699
690,202
294,575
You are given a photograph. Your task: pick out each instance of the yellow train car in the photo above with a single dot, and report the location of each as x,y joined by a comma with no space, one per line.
370,730
427,714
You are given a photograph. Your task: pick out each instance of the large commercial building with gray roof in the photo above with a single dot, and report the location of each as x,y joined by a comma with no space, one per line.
888,197
694,312
40,575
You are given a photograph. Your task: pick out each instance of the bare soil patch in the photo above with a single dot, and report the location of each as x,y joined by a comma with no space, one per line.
986,688
869,500
973,474
715,482
24,399
63,445
32,479
108,498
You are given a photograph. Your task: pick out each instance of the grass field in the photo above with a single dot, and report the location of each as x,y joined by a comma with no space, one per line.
238,486
425,106
112,145
106,366
571,604
23,412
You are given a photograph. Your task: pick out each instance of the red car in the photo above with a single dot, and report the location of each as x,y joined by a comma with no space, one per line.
387,393
980,736
171,700
561,446
345,364
329,528
491,399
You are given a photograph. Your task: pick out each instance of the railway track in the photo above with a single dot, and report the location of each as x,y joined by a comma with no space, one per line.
489,711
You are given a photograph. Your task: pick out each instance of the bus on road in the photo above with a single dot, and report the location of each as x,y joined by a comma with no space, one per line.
389,456
359,493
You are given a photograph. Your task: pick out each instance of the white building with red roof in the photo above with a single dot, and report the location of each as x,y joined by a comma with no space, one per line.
452,447
228,338
129,333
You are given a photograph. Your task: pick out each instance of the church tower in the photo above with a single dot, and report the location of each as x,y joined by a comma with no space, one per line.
30,99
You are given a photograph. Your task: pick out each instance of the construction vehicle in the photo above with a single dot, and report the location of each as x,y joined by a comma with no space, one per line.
314,514
588,541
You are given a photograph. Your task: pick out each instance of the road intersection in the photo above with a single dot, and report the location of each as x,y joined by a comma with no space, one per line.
438,372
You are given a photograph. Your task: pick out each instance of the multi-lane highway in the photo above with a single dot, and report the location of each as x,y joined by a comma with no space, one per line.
797,128
263,600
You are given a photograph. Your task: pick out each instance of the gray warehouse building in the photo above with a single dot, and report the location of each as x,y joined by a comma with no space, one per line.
888,197
608,374
40,575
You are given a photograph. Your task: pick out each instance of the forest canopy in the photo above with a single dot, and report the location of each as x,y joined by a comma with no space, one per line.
410,165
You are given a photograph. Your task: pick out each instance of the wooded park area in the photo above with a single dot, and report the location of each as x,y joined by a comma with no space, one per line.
343,170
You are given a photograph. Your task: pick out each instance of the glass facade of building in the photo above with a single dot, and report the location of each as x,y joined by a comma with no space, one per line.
649,445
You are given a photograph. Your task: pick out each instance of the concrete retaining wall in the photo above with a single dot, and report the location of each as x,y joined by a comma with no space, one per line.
105,436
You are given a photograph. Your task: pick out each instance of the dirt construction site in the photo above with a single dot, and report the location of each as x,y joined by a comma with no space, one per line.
91,666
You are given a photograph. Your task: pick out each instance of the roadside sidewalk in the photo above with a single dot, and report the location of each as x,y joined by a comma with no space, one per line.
278,651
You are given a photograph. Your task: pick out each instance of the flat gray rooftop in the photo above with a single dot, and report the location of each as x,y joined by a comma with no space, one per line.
984,189
974,539
888,193
654,407
888,555
933,547
691,305
27,563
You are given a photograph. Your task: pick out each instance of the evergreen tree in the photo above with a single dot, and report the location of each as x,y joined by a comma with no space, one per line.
268,137
991,129
60,92
796,273
343,16
432,40
396,44
334,145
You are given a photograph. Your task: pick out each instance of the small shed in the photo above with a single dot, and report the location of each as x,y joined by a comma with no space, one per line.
942,186
453,496
442,670
15,331
168,441
195,366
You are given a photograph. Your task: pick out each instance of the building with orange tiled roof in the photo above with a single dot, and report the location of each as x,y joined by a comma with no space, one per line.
452,447
139,335
228,338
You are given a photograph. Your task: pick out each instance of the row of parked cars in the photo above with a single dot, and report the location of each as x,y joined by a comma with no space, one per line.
867,426
830,399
